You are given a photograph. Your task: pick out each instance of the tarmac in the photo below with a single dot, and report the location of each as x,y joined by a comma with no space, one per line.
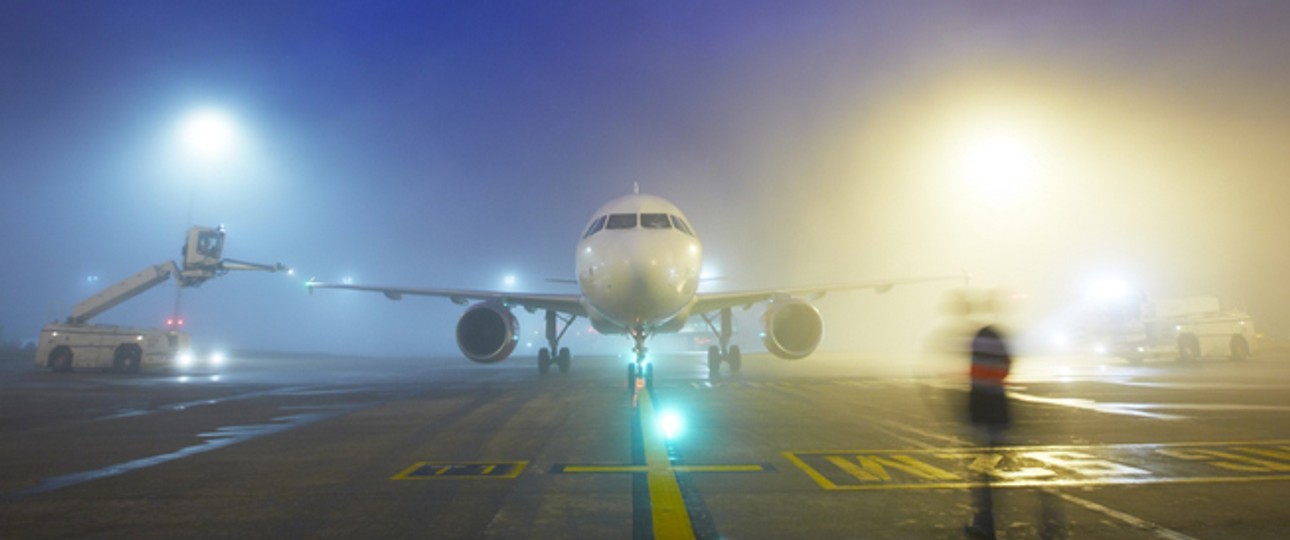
833,446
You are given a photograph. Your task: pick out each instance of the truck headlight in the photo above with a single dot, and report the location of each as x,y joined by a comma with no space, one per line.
217,359
184,360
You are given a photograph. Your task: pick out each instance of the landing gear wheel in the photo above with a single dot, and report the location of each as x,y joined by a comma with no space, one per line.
544,360
1240,348
631,376
735,359
1188,347
649,377
563,359
60,361
714,361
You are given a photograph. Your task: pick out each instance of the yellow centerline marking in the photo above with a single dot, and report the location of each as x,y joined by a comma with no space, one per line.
671,520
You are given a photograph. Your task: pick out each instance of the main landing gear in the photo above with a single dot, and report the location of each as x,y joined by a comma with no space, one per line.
726,352
562,355
640,369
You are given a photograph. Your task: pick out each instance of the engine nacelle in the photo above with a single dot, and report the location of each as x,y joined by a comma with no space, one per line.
487,332
792,329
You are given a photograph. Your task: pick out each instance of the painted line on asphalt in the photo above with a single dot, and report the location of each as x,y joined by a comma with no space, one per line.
670,518
431,470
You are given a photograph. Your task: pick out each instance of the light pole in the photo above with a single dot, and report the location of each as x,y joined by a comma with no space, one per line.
208,137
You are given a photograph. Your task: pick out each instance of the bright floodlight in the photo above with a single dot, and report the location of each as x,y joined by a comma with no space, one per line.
998,162
1110,290
208,133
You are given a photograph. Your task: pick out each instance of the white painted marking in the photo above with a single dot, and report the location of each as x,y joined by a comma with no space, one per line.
1127,409
1159,531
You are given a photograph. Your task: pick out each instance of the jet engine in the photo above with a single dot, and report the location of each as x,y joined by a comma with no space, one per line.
792,329
487,333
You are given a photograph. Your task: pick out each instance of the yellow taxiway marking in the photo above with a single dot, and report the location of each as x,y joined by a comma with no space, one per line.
424,470
1043,466
671,520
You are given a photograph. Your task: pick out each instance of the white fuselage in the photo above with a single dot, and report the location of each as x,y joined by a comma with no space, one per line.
638,265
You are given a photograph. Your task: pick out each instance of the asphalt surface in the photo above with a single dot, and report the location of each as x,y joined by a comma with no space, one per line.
834,446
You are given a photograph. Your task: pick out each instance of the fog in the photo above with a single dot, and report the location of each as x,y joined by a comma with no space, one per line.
452,146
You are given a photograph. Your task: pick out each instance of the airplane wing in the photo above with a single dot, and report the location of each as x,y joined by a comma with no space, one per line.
709,302
564,303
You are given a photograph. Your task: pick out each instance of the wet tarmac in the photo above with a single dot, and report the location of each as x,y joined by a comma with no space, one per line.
835,446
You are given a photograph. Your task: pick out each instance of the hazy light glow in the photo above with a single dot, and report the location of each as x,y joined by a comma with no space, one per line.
670,424
208,133
997,159
1109,290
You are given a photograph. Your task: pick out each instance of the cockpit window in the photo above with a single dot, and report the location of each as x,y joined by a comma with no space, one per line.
596,226
680,224
655,221
621,221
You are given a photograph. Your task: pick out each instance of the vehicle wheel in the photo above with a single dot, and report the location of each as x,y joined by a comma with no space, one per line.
631,375
649,377
1240,348
714,361
60,360
735,358
125,359
1188,347
135,360
544,361
563,359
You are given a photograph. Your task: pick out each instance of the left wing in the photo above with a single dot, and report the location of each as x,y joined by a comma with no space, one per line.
564,303
709,302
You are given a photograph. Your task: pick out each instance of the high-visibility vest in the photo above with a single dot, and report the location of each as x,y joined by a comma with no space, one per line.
990,359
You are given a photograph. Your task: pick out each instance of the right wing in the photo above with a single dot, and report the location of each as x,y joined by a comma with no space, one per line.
709,302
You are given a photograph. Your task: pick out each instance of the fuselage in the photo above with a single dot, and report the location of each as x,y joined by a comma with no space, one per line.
638,265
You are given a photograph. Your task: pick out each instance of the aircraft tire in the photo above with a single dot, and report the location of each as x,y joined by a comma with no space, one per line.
563,359
649,377
714,361
1188,348
735,358
544,361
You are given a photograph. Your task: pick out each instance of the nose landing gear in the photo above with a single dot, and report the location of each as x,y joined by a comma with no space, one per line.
640,373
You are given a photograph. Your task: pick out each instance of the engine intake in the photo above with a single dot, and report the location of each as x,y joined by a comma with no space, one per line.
487,333
792,329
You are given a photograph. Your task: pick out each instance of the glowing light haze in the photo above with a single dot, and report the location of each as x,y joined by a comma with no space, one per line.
1039,146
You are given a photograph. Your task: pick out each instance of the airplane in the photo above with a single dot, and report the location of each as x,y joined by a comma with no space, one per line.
638,269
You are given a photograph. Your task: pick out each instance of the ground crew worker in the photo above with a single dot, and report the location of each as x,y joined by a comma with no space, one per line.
988,412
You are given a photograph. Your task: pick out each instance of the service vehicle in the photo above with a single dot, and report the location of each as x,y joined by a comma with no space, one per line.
76,343
1184,328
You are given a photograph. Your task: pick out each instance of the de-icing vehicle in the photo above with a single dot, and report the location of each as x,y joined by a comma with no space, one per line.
77,344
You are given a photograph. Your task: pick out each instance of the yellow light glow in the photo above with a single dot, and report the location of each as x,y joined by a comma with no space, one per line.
997,160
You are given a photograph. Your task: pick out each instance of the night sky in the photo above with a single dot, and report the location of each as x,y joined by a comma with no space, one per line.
453,144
